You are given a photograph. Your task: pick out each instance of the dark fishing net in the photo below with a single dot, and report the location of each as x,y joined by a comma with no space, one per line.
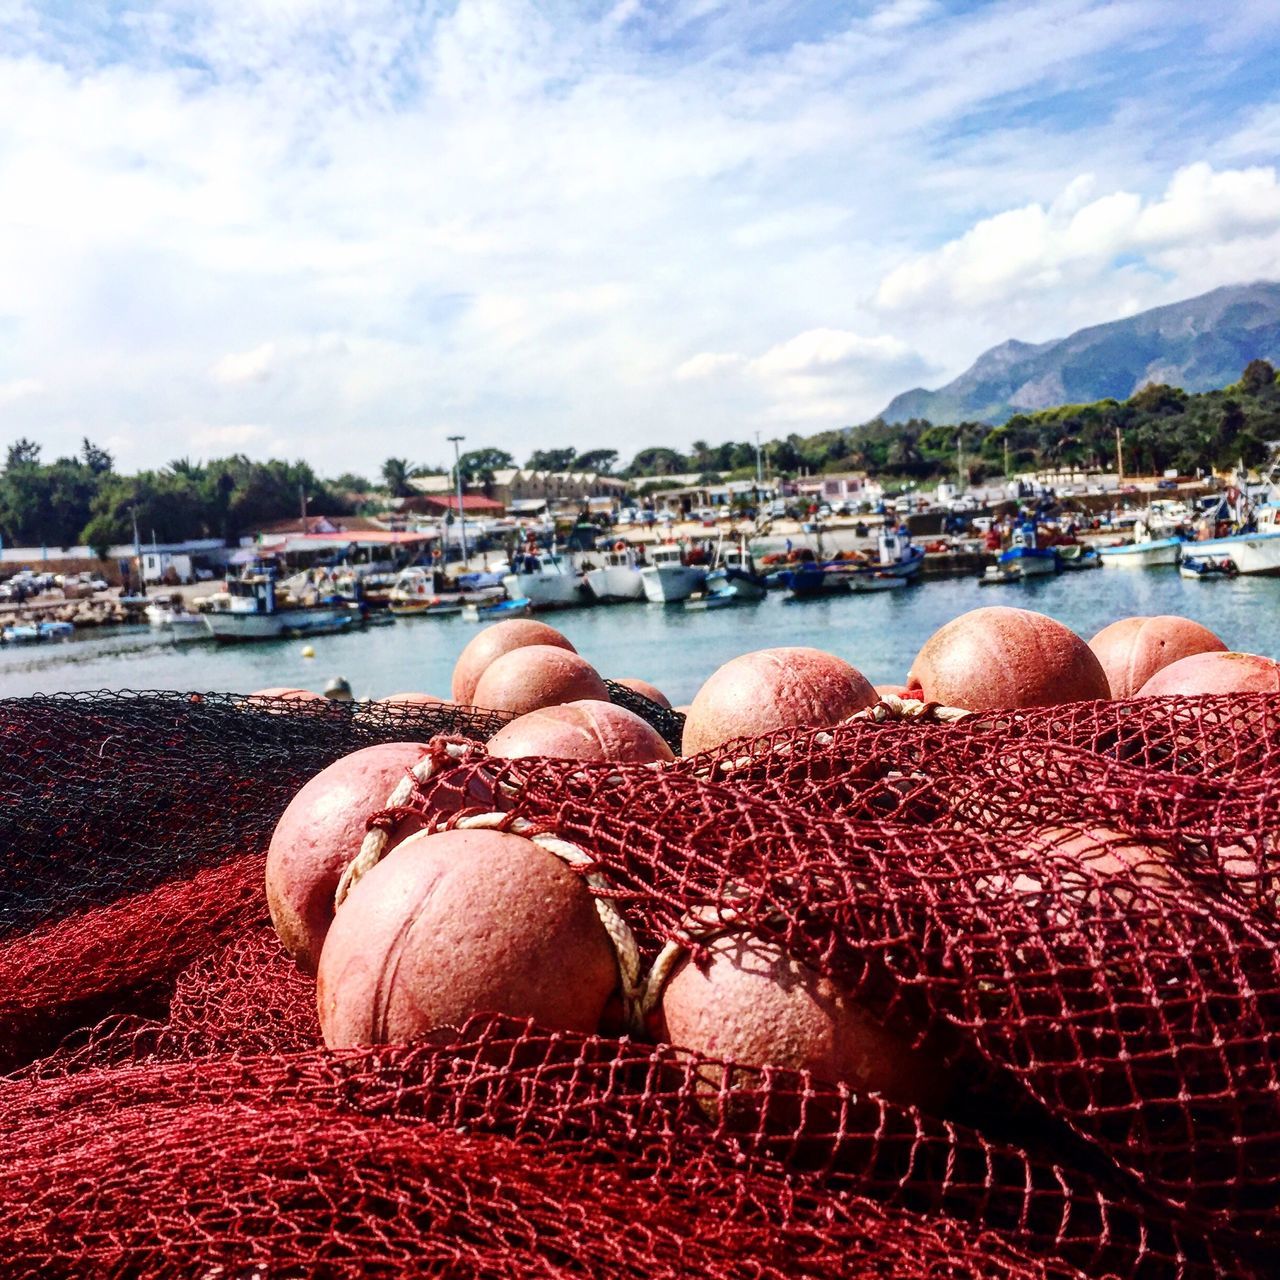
669,723
1107,1031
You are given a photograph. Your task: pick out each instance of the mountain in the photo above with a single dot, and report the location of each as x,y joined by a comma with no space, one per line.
1197,345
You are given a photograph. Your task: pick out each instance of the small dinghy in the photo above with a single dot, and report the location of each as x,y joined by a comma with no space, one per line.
1202,567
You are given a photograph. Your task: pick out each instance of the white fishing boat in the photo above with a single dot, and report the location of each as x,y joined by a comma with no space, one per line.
252,609
169,613
667,579
1144,552
1257,552
548,581
618,577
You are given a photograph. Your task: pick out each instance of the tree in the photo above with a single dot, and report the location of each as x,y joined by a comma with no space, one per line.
1258,376
479,465
97,460
354,483
551,459
22,453
396,474
658,462
598,460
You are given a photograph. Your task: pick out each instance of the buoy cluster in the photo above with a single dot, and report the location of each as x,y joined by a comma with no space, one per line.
450,924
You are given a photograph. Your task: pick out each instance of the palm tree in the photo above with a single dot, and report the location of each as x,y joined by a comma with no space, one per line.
396,474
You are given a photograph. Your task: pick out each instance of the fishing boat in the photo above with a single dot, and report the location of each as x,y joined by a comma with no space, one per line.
618,577
169,613
545,581
35,632
1144,552
1201,567
495,610
1257,552
667,579
721,590
1024,557
252,608
1077,556
898,558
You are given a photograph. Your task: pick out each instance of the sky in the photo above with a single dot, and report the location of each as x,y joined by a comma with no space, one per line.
341,230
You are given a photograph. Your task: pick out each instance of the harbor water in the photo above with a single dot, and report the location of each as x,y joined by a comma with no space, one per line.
672,647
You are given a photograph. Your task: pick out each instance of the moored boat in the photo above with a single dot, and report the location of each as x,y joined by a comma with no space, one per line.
545,581
1200,567
1256,552
667,579
495,610
253,609
618,577
1024,557
1144,552
1077,556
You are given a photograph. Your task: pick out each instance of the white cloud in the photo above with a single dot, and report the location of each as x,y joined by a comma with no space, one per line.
707,364
19,389
818,352
1037,247
897,14
359,220
246,366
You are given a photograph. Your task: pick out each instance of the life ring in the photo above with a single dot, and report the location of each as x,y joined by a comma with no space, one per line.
619,545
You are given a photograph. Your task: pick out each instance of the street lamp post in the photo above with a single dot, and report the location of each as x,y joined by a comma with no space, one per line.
457,475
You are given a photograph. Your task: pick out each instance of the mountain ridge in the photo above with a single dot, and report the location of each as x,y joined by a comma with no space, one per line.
1197,344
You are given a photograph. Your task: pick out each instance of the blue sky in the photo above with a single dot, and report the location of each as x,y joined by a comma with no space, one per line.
340,230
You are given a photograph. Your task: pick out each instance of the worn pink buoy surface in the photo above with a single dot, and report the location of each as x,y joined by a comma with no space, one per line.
491,644
997,657
771,689
754,1004
1132,650
459,923
590,730
321,832
645,690
535,676
1214,673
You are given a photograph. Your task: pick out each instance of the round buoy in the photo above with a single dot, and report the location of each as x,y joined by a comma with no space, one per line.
1132,650
308,651
995,658
771,689
590,730
461,923
1202,673
491,643
321,832
537,675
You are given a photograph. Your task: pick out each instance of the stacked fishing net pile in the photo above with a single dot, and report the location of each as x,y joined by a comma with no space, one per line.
1103,1023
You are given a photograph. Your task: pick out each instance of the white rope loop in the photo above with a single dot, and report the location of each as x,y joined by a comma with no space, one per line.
374,845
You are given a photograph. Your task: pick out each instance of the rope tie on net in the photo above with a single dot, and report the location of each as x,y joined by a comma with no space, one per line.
442,755
890,708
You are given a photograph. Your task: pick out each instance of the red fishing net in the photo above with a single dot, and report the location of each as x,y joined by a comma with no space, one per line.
1105,1019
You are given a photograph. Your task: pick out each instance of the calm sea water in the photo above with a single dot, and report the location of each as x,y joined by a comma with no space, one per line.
672,647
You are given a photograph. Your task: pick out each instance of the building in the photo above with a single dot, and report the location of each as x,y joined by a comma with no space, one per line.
839,486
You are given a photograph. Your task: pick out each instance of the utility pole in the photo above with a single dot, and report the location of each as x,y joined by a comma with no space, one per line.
457,475
960,483
137,553
302,502
1006,456
1119,456
759,472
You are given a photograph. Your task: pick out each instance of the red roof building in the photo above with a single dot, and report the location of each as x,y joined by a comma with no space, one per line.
437,504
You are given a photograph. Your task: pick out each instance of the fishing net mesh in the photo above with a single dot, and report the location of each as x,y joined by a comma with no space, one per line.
1101,1002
